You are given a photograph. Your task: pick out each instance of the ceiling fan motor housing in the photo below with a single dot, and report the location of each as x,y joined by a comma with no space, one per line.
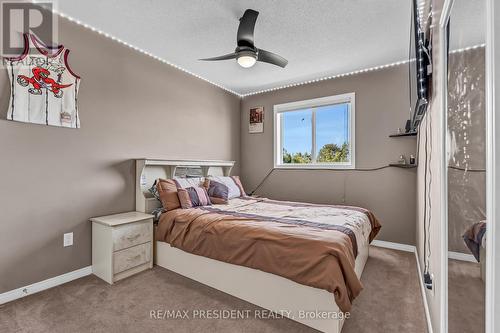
246,51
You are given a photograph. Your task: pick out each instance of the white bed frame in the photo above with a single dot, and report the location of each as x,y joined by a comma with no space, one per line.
265,290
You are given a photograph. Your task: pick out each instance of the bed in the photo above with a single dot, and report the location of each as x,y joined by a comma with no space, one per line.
475,239
299,260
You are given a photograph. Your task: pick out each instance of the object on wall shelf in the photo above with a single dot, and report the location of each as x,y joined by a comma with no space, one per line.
412,159
397,135
403,166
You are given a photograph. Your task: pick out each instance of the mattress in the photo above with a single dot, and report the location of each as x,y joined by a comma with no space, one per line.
314,245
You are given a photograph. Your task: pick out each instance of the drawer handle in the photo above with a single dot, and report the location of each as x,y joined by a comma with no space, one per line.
133,238
135,258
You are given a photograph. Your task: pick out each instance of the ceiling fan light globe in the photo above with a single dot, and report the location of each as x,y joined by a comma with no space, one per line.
246,60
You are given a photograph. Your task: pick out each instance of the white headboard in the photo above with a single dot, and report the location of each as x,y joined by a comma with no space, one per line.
148,170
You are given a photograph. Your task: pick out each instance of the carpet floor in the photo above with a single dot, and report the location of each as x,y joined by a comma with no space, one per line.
466,297
390,302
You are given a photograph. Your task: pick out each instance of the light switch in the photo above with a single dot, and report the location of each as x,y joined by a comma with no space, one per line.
68,239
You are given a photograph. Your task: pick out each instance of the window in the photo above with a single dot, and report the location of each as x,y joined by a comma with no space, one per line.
316,133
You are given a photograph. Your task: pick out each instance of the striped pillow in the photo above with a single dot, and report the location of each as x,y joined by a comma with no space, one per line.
167,190
193,197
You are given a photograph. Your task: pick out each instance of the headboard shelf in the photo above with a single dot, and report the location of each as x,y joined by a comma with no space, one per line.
148,170
188,162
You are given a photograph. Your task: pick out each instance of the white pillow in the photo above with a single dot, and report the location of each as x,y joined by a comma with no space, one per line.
190,182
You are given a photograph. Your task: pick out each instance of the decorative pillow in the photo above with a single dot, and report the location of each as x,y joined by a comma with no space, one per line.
239,184
217,192
234,185
167,191
193,197
189,182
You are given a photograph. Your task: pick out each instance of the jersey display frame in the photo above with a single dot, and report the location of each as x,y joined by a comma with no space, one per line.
44,88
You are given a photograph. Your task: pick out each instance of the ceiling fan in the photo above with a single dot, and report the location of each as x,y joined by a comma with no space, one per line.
246,54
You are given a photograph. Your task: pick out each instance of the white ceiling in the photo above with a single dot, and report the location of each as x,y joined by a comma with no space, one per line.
319,38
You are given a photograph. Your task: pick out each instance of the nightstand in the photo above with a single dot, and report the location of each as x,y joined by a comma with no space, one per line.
122,245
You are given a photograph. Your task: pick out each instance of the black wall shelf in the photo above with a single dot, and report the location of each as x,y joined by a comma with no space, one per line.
403,134
403,166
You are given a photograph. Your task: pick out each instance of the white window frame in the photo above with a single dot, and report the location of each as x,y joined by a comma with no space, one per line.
312,104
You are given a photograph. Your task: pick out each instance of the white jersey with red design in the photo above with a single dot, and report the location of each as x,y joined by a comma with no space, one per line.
44,89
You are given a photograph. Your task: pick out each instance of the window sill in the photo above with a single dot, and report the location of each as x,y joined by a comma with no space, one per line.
315,167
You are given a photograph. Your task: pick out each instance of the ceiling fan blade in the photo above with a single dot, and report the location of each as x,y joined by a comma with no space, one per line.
272,58
224,57
246,28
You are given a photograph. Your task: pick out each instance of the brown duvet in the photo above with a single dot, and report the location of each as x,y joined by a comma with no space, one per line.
307,251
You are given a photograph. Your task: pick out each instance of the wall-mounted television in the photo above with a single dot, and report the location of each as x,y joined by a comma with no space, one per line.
419,70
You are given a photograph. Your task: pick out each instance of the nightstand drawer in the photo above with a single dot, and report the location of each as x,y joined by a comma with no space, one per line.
129,235
131,257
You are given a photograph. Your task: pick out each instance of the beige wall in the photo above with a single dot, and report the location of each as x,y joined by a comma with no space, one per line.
54,179
381,107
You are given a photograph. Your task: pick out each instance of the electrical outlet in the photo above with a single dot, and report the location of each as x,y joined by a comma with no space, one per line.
429,281
68,239
433,285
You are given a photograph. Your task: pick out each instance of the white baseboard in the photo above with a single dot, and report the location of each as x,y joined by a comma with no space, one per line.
413,249
424,298
462,256
394,246
43,285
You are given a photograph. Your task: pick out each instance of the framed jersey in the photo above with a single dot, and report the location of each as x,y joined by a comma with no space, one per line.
44,89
